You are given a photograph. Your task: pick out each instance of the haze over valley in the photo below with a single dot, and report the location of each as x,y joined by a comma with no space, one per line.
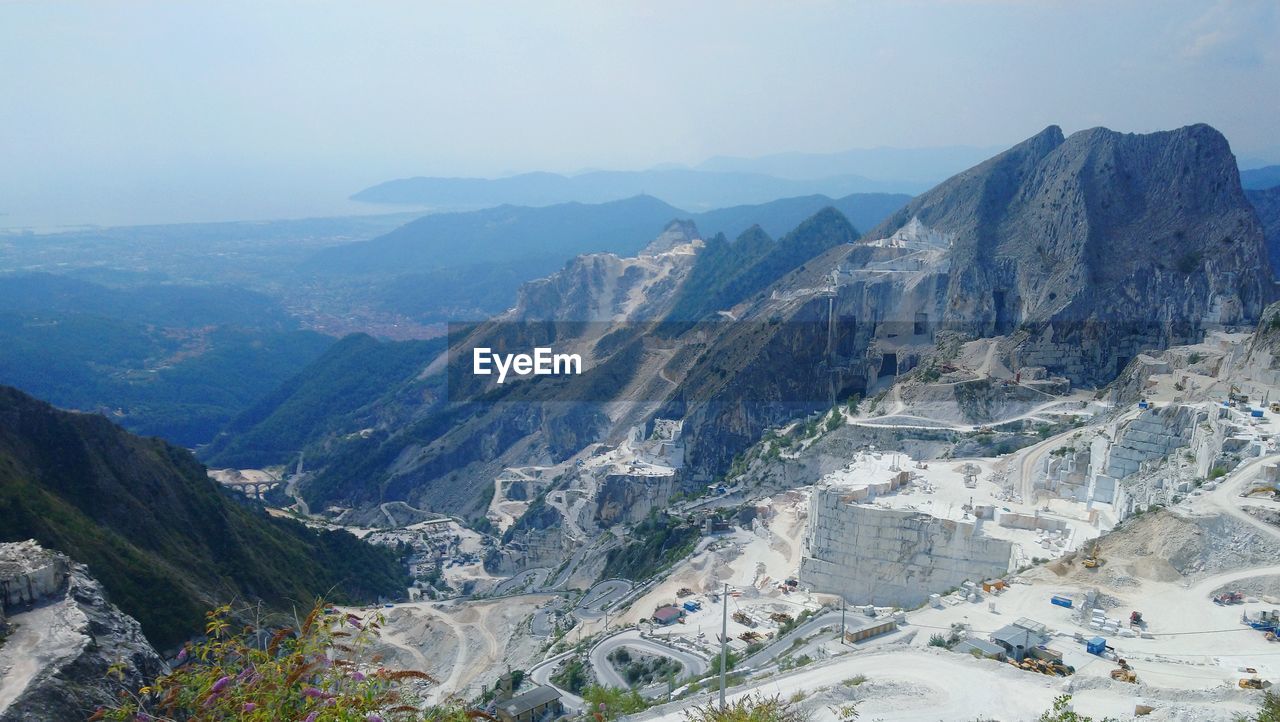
924,362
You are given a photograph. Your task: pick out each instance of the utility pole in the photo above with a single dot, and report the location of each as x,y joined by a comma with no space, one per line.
843,604
724,641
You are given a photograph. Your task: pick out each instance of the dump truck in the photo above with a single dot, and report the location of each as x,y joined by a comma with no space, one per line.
1253,683
1229,598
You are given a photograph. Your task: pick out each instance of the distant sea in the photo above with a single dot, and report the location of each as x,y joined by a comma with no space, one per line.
41,221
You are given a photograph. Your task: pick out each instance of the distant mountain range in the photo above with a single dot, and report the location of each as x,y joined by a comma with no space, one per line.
690,189
1080,251
467,265
908,165
1260,178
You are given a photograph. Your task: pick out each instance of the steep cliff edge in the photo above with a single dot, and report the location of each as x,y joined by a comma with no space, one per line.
1099,245
1267,204
67,650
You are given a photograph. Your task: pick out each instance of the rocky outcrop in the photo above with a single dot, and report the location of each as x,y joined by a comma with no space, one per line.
629,498
1097,246
28,575
69,650
676,234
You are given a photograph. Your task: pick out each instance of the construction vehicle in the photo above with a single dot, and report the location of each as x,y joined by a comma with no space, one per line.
1091,559
1135,619
684,592
750,636
1124,675
1253,683
1265,622
743,619
1229,598
1235,397
782,618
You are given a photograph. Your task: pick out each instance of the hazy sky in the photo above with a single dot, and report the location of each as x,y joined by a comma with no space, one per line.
107,97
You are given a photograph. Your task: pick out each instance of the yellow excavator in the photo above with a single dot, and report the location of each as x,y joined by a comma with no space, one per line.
1253,683
1091,558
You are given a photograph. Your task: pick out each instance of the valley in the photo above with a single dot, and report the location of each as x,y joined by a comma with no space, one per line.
858,459
958,442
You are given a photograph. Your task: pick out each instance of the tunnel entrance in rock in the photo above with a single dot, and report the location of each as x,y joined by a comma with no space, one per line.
888,365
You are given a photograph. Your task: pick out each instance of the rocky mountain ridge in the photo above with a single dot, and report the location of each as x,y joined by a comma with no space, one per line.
1077,253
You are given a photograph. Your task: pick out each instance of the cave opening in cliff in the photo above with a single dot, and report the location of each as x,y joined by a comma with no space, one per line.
888,365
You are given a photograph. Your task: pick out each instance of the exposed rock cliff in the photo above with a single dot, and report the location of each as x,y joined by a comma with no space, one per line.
69,650
1267,204
1098,245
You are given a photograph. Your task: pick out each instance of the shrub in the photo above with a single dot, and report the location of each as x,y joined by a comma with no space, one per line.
1270,709
751,708
1061,712
320,672
612,702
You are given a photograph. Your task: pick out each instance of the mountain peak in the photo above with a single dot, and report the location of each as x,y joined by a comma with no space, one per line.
677,233
829,224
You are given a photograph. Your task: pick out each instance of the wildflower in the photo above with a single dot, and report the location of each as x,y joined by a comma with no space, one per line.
182,655
373,717
312,692
220,685
311,717
248,707
358,676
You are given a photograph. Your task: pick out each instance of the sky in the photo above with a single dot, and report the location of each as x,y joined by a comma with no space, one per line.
212,110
